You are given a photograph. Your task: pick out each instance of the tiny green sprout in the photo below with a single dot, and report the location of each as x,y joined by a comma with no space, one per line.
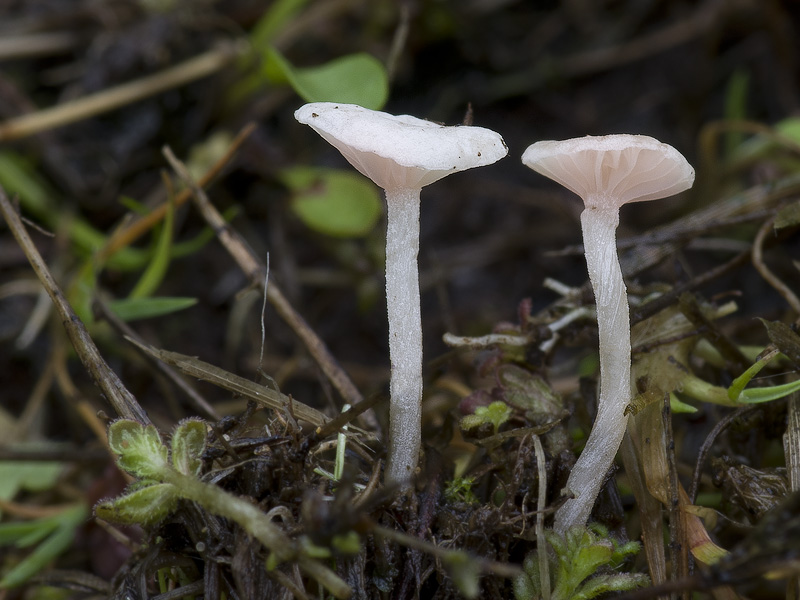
496,414
459,489
347,543
582,566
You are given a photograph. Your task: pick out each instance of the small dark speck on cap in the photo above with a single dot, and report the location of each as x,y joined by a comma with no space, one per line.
335,107
315,115
479,153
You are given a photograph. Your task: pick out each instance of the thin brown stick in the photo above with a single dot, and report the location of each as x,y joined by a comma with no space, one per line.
764,270
115,391
650,308
141,225
127,93
255,270
706,447
199,403
15,47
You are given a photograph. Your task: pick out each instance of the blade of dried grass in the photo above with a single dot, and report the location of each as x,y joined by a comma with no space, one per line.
265,396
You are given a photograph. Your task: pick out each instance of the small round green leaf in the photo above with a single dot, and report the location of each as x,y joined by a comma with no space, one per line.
353,79
332,201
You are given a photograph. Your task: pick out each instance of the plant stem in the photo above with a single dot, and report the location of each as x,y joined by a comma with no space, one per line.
613,323
405,334
255,523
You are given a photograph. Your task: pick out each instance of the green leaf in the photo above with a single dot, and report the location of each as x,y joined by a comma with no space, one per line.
464,572
621,582
353,79
59,540
767,394
790,128
154,273
188,445
33,476
738,385
81,291
332,201
143,506
12,533
496,413
132,309
347,543
736,107
678,406
528,586
140,450
19,178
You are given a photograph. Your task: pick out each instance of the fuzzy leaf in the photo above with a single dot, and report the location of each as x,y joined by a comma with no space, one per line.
621,582
143,506
141,452
188,445
528,586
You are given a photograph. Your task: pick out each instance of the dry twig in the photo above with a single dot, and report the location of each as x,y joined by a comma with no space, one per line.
115,391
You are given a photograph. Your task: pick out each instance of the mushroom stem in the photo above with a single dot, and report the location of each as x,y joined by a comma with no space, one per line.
405,334
613,322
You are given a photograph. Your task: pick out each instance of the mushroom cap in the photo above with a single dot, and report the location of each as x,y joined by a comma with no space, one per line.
613,169
401,152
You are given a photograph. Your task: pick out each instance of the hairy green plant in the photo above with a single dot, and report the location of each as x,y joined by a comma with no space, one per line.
167,474
582,566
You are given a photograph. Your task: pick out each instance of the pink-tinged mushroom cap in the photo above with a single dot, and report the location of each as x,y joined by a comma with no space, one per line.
612,170
401,152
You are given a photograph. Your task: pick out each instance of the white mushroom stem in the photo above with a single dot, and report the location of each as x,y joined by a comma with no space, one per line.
405,333
613,322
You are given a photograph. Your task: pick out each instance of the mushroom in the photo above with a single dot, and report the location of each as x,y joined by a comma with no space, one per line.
607,172
402,154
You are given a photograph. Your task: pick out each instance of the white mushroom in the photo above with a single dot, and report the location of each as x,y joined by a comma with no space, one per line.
607,172
402,154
